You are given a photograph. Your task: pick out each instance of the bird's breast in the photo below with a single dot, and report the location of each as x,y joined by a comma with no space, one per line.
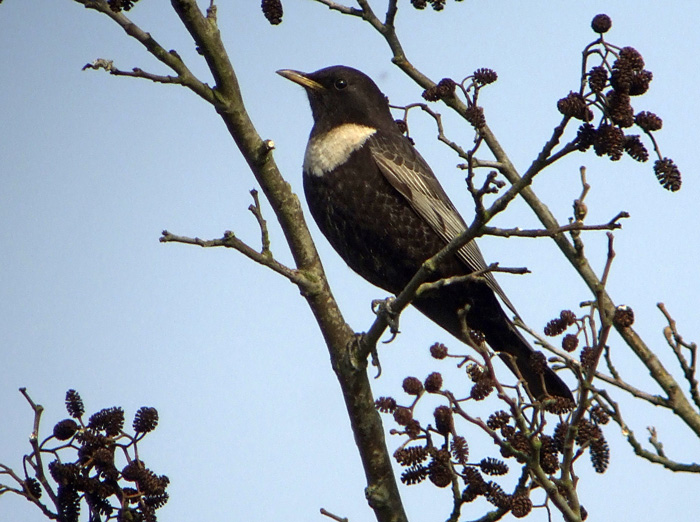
328,150
369,223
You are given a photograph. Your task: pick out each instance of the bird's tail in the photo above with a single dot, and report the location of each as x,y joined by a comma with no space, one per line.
501,334
522,360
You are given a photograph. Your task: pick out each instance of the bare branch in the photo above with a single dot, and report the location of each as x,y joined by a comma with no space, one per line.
169,58
332,516
344,9
474,276
257,212
36,450
229,240
485,164
676,342
637,446
5,470
576,365
108,66
613,224
438,122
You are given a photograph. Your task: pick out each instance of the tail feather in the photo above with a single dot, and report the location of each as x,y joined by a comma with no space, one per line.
486,315
517,354
540,383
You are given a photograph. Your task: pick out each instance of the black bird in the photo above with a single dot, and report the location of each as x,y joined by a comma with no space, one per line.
383,210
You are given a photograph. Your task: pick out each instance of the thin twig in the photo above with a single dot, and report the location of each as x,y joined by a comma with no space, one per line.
608,362
332,516
576,365
344,9
231,241
169,58
676,342
654,441
637,446
257,212
136,72
608,263
437,117
613,224
391,10
488,164
36,450
473,277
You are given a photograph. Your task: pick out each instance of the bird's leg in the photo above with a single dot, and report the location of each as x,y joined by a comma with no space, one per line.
383,308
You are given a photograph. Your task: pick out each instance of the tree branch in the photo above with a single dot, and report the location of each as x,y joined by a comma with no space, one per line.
229,240
637,446
575,226
168,58
382,491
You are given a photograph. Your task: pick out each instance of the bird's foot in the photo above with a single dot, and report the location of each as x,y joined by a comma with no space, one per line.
383,308
357,348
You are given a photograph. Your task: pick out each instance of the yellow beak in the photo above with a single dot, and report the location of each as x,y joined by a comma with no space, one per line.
301,79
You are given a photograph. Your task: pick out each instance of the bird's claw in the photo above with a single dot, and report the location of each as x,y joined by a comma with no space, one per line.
382,307
357,343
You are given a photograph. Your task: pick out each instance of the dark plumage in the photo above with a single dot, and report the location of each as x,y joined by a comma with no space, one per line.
381,207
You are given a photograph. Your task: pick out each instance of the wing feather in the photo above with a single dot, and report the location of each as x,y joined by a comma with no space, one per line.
410,175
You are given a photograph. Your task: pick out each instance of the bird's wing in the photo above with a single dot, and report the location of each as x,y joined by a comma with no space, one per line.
410,175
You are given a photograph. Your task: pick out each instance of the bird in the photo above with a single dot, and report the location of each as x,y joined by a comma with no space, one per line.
383,210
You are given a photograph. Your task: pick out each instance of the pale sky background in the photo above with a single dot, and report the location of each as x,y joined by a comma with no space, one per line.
253,427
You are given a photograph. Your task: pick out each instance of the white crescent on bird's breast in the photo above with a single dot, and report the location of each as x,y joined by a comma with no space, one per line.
326,151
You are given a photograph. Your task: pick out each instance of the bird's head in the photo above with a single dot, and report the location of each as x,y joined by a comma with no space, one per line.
340,94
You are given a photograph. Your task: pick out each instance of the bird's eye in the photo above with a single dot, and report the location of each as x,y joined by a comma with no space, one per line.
340,84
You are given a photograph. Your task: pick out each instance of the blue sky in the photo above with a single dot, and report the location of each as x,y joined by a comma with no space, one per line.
93,167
